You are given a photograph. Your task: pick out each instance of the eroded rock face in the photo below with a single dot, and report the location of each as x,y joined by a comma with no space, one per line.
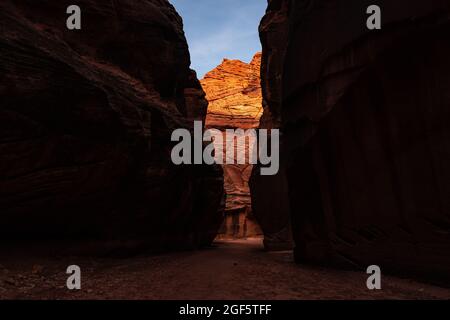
233,90
365,118
85,124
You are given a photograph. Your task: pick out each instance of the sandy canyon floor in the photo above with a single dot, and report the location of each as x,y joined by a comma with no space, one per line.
238,269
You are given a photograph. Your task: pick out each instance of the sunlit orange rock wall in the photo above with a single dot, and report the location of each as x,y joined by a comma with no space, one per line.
233,91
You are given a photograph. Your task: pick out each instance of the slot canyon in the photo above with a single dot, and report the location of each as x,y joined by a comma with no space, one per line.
86,175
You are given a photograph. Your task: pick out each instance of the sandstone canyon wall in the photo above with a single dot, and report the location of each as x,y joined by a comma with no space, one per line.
85,124
365,120
270,200
233,91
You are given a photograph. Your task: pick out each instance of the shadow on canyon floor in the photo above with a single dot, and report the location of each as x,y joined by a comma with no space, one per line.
231,269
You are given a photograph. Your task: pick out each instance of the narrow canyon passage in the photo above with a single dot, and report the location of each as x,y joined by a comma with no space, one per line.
230,269
88,170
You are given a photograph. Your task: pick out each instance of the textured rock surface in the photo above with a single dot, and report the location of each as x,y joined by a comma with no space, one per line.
365,117
85,124
273,32
233,90
272,210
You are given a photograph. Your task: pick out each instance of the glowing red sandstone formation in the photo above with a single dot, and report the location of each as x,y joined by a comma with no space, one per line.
233,91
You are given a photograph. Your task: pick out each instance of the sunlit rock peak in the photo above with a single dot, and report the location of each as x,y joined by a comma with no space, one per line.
233,90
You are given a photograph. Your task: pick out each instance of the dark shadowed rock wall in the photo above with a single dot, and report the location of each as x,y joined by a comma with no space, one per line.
85,124
270,200
365,117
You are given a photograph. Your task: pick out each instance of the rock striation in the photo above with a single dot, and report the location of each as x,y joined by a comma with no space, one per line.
85,124
233,91
365,119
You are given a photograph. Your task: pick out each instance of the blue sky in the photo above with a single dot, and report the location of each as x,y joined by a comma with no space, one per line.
217,29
